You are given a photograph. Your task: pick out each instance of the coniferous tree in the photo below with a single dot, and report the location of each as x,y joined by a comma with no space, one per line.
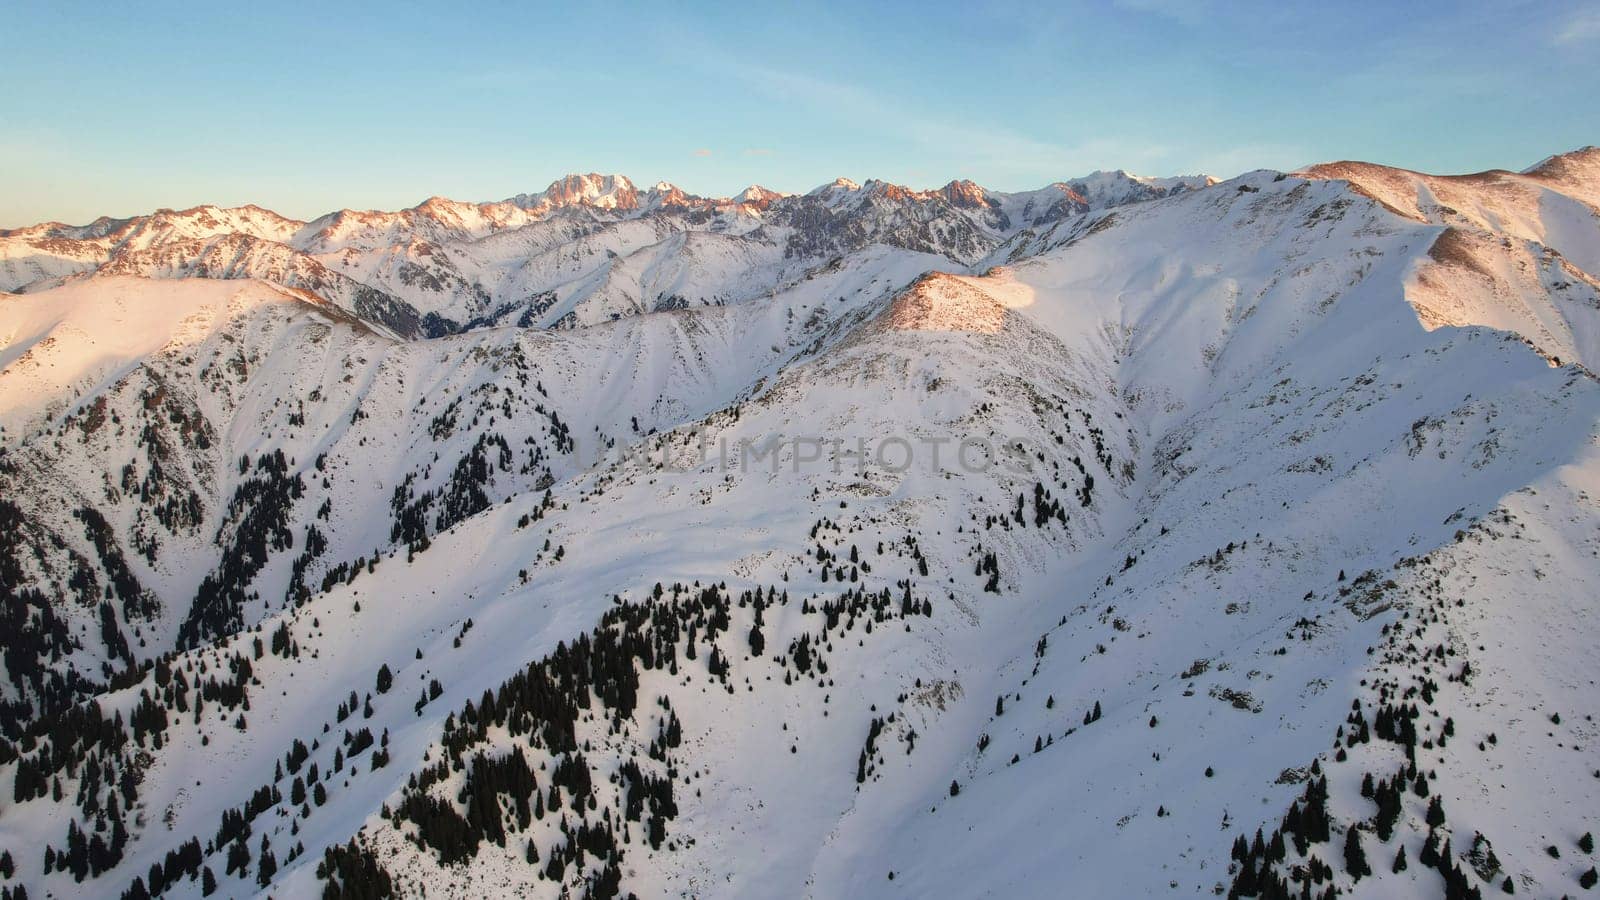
1355,858
1435,813
268,868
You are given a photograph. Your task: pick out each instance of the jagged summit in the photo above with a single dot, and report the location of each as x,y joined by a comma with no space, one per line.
1102,188
838,184
612,192
965,193
756,194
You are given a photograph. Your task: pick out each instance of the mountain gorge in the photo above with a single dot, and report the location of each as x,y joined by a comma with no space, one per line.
1194,536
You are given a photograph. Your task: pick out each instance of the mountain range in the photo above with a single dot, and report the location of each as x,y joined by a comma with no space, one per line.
588,249
1195,537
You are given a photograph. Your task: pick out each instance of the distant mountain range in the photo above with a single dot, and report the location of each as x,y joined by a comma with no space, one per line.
588,249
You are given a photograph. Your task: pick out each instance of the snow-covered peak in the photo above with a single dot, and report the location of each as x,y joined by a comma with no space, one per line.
166,225
1576,173
757,194
965,193
666,195
1583,155
612,192
1115,188
835,186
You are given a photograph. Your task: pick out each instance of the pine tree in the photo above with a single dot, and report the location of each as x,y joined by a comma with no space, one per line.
268,868
385,679
1430,850
1355,858
1435,813
955,788
1400,860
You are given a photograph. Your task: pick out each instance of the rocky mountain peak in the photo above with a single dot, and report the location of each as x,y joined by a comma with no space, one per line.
612,192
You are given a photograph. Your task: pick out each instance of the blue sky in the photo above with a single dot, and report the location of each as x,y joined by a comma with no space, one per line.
122,108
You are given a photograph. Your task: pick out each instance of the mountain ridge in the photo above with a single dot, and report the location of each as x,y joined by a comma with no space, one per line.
601,191
1560,161
445,266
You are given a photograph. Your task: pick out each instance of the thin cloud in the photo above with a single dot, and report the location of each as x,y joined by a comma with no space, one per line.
702,152
758,151
1184,12
982,146
1585,26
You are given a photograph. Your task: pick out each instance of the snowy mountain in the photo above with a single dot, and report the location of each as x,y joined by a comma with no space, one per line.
1125,537
587,249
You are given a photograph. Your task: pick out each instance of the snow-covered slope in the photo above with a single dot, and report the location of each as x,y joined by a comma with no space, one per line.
860,543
